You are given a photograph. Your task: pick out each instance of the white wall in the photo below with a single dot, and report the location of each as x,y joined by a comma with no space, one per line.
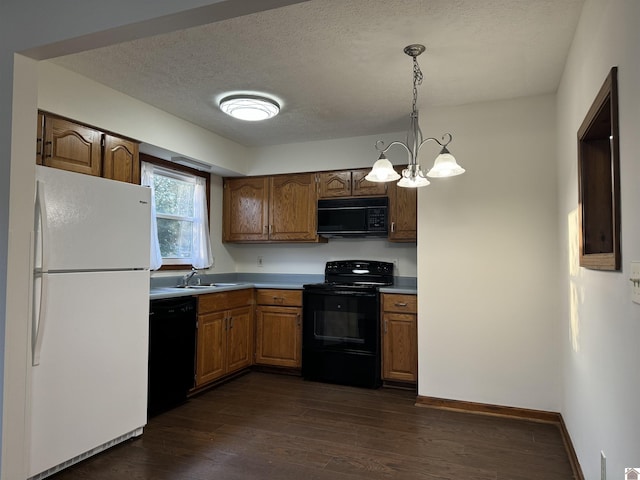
311,258
487,259
600,324
354,152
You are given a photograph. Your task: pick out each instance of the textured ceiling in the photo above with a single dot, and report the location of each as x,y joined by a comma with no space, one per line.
337,65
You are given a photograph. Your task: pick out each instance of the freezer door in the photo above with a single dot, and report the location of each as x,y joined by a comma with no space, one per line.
90,223
90,385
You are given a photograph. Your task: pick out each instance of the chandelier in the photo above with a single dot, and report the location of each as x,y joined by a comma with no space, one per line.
445,164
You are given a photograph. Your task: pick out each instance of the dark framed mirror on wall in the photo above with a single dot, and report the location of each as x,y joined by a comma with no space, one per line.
599,180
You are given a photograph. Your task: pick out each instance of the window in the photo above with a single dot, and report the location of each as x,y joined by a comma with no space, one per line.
179,204
175,210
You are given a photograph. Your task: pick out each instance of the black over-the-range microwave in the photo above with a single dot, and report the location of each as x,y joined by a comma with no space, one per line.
353,217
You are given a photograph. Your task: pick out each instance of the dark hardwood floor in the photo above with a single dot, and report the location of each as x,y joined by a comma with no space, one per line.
266,426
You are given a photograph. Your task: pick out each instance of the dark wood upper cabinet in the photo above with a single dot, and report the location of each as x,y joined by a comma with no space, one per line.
599,180
69,145
120,159
348,183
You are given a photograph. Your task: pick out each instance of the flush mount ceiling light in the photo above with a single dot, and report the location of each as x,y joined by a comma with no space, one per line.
445,164
251,108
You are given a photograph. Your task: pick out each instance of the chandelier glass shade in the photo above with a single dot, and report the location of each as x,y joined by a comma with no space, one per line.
413,176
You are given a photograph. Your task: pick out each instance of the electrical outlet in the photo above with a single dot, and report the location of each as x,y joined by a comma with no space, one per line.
603,466
260,263
635,282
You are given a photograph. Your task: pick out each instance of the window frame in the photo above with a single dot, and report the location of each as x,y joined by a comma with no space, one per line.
180,169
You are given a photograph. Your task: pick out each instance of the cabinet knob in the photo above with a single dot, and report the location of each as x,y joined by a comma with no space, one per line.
385,326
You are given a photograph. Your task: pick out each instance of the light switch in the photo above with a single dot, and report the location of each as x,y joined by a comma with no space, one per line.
635,282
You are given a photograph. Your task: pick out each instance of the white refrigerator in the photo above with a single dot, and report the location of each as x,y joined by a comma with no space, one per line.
90,310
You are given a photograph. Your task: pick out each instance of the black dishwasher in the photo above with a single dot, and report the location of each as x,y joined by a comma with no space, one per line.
172,350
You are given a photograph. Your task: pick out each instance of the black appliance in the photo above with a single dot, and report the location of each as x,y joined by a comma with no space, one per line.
341,323
172,350
353,217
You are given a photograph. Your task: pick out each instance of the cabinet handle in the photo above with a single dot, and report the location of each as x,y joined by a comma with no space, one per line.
265,230
298,316
38,146
385,327
401,304
270,229
230,323
393,227
50,154
278,300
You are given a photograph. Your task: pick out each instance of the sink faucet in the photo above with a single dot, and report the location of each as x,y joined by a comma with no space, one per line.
188,276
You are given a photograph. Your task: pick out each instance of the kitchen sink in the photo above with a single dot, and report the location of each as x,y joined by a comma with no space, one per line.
209,285
194,286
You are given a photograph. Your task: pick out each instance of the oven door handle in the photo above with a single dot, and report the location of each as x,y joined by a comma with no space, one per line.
333,293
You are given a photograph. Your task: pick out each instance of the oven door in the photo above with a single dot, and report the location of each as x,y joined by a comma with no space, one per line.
344,320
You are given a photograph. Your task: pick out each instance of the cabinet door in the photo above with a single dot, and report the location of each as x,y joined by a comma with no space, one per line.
292,207
120,160
72,147
246,209
403,214
362,187
279,336
239,338
400,352
334,184
211,348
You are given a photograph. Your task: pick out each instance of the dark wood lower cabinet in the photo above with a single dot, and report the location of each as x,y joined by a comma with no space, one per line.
279,328
399,338
225,334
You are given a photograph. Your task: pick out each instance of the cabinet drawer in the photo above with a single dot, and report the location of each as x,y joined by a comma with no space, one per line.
394,302
290,298
213,302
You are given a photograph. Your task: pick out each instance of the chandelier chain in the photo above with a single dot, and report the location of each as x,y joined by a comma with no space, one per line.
417,80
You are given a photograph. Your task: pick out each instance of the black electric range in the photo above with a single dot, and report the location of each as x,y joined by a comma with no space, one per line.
341,323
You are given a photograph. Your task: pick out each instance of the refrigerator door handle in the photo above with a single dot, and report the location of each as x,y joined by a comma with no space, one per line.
40,256
41,213
39,320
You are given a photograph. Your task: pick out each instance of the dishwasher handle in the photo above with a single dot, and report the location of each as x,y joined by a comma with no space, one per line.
171,307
